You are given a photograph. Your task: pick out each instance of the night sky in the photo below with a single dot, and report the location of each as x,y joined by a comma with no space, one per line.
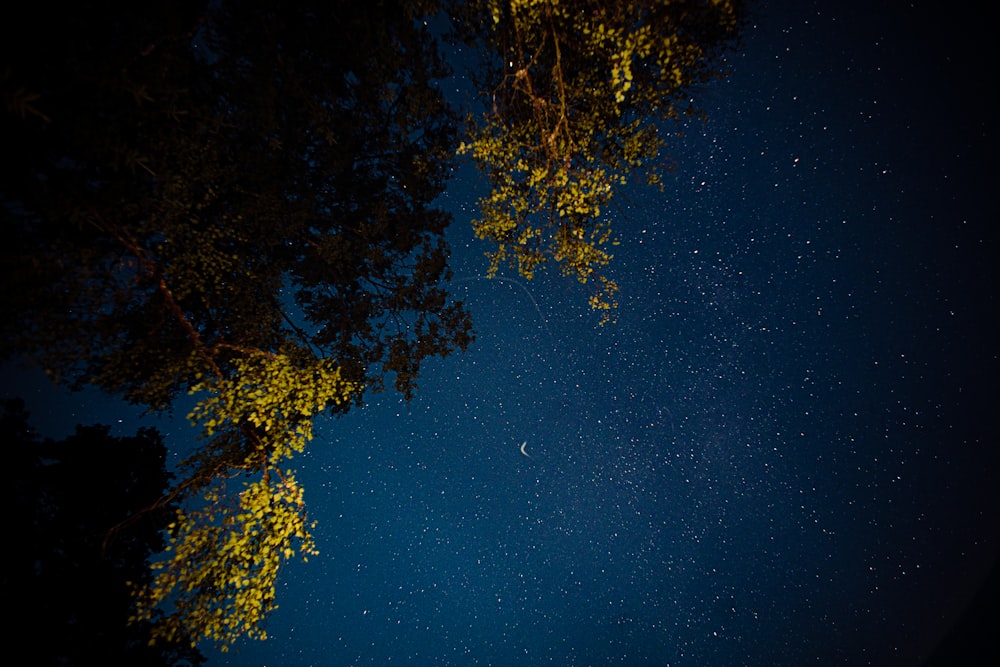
781,454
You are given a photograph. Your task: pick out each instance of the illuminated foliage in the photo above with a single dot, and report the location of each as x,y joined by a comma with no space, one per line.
223,562
274,398
575,91
223,557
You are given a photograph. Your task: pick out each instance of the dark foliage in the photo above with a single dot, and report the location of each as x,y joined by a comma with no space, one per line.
187,183
66,580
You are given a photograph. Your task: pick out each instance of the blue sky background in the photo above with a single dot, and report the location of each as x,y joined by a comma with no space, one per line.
782,452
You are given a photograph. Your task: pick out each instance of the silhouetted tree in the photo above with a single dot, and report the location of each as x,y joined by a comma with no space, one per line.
66,581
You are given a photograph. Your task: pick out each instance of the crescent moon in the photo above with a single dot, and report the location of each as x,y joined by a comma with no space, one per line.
523,445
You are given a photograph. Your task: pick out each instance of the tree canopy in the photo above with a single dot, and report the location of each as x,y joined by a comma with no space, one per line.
575,94
235,200
257,179
235,203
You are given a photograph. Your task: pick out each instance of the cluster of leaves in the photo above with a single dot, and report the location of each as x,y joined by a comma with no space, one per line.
220,567
575,91
272,400
223,562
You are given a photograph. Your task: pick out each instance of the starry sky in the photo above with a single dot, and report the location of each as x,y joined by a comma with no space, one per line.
780,454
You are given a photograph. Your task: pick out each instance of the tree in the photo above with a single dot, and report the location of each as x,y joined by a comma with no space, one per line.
234,201
575,94
65,581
